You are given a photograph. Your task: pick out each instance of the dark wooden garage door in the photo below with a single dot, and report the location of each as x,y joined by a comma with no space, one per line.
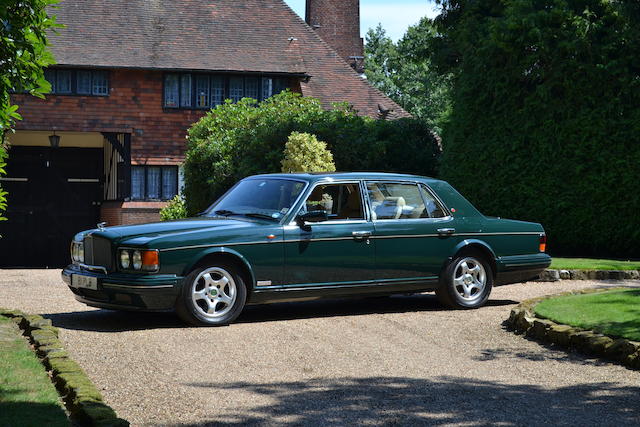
53,194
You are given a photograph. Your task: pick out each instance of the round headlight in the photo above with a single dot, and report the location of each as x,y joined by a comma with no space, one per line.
74,251
125,261
137,260
80,252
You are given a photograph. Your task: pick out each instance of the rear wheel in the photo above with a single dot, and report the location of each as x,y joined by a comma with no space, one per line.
211,296
466,282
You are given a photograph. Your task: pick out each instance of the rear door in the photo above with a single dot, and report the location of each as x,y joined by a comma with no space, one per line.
413,232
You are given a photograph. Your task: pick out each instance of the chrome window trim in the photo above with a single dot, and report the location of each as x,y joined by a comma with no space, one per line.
312,187
418,184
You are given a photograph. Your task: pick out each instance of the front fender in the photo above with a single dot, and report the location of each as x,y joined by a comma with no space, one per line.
223,250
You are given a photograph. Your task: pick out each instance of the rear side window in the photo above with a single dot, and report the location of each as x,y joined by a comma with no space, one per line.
433,208
396,201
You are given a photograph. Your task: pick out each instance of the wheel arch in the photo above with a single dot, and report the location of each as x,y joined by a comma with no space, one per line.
477,246
226,255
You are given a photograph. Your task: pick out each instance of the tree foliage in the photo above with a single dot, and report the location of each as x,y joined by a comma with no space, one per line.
304,153
403,71
23,54
235,140
545,121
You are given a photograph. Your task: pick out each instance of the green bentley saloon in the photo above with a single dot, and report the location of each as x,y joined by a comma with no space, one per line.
286,237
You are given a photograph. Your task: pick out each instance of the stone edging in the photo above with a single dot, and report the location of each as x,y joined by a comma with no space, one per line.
80,396
523,320
552,275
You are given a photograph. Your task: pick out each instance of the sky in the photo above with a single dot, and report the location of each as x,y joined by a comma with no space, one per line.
394,15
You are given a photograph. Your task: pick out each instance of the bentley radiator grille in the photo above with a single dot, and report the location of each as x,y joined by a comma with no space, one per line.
97,251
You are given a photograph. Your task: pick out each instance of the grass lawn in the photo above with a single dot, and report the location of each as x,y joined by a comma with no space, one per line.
615,313
593,264
27,396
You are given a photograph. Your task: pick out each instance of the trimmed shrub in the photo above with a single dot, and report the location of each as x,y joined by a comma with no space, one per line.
236,140
175,209
545,121
304,153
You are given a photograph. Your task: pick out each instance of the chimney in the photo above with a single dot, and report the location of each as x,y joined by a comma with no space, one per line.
337,22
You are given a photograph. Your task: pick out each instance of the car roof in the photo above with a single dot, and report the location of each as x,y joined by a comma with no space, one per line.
319,176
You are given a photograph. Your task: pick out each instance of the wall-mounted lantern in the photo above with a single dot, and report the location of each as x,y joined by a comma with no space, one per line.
54,140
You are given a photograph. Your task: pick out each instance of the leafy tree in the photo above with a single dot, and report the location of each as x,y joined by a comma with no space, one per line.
23,54
403,71
235,140
304,153
545,121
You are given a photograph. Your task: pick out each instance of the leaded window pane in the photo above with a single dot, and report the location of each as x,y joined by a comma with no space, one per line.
217,91
252,87
169,182
137,182
185,90
100,83
236,88
171,90
279,85
84,82
63,81
153,182
50,76
202,91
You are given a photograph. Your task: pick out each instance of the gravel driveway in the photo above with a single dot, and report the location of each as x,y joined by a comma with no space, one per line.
400,360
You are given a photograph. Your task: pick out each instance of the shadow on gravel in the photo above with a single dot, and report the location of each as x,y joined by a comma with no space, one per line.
553,353
446,400
118,321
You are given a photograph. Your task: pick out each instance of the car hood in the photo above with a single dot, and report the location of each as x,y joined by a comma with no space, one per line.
141,234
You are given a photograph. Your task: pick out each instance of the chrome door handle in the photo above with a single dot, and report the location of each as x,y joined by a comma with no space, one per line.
361,235
446,231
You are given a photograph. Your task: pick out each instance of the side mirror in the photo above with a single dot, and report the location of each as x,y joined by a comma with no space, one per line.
311,216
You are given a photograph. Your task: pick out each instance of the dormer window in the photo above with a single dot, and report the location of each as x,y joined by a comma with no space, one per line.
209,90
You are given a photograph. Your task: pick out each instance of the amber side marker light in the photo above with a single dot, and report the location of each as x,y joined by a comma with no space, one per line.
543,242
150,261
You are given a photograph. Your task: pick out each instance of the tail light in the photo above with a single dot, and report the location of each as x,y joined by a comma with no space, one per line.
543,242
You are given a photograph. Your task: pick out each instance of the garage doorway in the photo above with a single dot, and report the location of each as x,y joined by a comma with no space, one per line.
53,194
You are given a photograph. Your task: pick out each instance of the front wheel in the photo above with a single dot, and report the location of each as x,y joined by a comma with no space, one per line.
211,296
466,282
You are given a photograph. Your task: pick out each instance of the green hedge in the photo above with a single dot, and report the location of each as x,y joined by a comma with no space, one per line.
545,124
236,140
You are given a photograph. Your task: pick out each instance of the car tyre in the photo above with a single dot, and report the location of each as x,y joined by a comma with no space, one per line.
211,296
466,282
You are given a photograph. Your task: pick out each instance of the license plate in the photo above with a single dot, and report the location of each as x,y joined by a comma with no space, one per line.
88,282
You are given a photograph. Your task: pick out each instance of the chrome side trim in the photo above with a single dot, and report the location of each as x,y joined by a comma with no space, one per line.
92,267
6,178
341,285
406,236
83,180
114,285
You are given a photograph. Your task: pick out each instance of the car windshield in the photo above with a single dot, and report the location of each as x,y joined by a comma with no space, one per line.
268,198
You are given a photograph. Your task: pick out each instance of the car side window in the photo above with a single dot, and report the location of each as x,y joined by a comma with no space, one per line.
339,201
432,206
396,201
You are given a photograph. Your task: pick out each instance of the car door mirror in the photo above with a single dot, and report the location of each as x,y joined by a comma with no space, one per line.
311,216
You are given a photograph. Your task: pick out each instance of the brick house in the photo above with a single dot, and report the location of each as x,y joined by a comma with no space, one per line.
131,77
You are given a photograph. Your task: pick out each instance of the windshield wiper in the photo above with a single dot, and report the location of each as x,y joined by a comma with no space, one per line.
226,212
259,215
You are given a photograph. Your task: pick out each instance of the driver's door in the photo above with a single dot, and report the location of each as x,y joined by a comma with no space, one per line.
336,251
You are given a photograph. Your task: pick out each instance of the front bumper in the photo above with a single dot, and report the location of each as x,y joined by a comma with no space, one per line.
122,291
